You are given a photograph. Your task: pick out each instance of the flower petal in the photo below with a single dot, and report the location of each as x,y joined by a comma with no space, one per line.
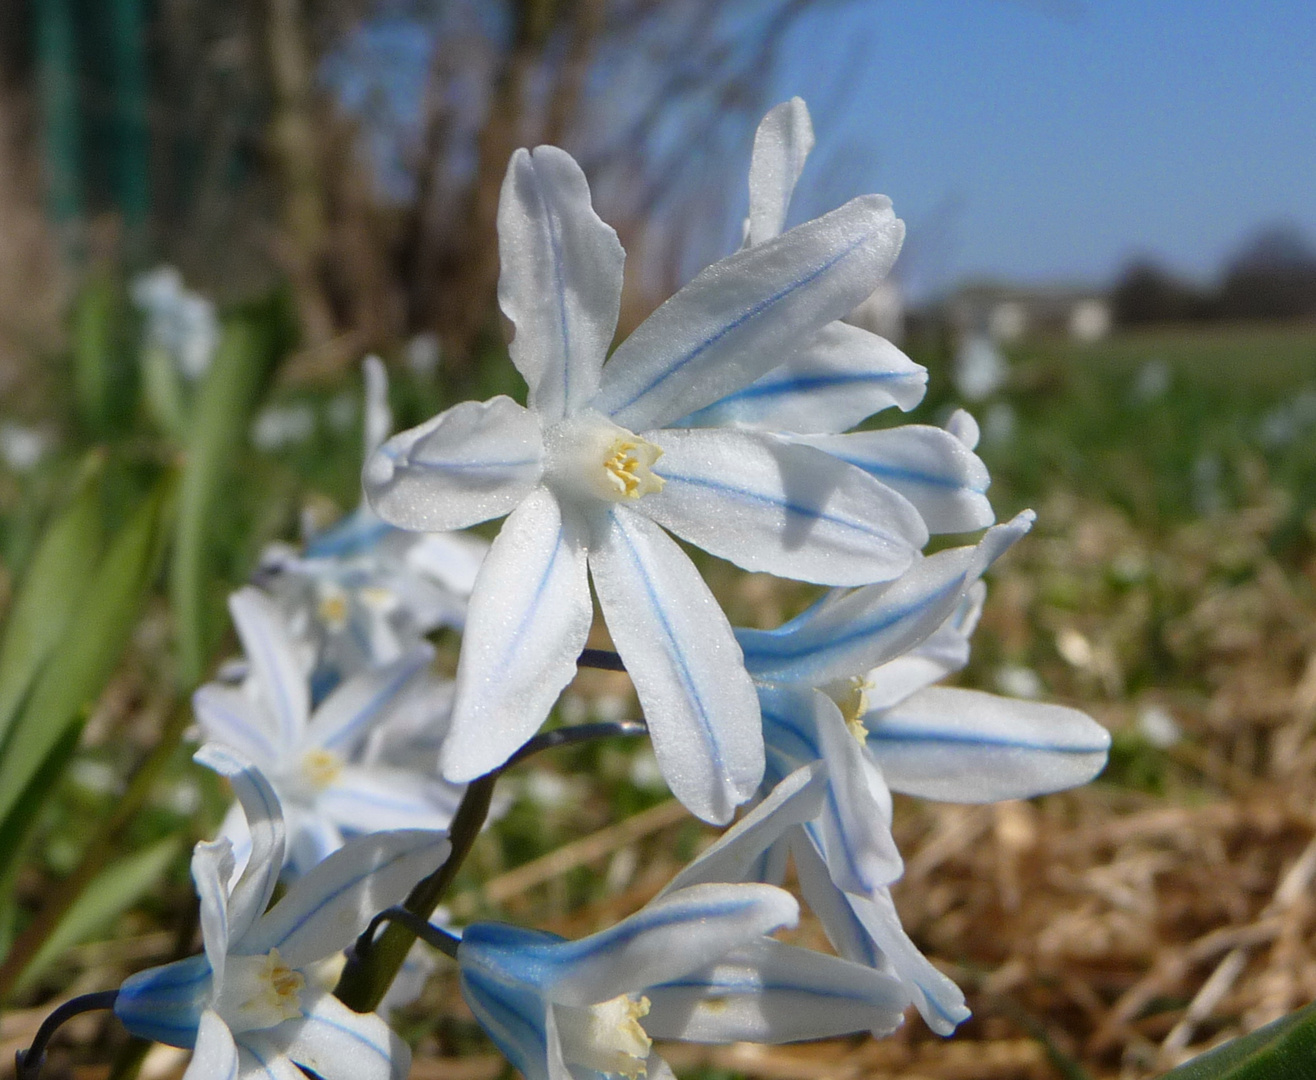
279,677
748,313
561,279
372,798
930,467
848,633
769,992
688,673
841,377
939,1001
473,462
788,510
265,827
165,1004
258,1059
856,821
847,934
781,145
514,1016
529,617
212,866
215,1056
377,420
327,908
357,705
338,1044
965,746
944,652
662,941
231,716
451,559
733,856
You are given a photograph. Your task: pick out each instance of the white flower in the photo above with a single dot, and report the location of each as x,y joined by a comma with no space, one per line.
181,323
839,743
846,373
694,965
591,474
251,1006
315,760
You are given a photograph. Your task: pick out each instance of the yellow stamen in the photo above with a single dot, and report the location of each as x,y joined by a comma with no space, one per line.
628,463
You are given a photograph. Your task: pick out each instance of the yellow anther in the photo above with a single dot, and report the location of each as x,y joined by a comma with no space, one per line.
321,767
629,463
333,610
606,1037
853,703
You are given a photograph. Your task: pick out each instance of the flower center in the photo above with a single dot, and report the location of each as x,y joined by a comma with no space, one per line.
590,455
320,767
333,609
606,1037
851,696
259,992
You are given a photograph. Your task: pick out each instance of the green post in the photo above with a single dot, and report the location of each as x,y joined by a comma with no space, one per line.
131,179
58,84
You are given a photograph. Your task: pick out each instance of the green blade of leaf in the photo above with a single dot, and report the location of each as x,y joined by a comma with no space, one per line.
1284,1050
51,587
18,824
113,891
78,670
221,416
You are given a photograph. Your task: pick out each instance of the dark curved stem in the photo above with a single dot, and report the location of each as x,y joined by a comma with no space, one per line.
576,733
443,940
27,1063
604,659
375,962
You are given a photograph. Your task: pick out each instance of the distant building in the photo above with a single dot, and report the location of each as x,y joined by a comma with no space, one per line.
1008,313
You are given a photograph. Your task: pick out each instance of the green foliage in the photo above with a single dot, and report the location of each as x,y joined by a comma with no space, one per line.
109,895
1284,1050
253,339
104,371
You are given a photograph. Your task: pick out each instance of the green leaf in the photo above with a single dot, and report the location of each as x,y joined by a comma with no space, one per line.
77,671
1284,1050
104,375
18,824
47,595
113,891
221,415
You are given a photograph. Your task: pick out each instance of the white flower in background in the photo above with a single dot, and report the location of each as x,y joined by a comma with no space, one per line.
846,373
838,744
252,1006
592,475
979,369
362,593
22,447
695,965
277,427
179,322
318,761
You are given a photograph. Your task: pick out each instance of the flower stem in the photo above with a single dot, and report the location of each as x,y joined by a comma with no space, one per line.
375,962
27,1064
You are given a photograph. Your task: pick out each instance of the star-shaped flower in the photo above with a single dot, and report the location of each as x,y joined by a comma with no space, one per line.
838,744
321,762
250,1007
694,965
592,475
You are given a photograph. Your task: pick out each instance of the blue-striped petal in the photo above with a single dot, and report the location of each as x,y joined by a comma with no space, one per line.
233,717
348,714
929,466
748,313
970,747
336,1043
280,680
769,992
781,145
328,907
841,377
265,827
215,1056
787,510
529,617
561,279
846,634
165,1004
687,669
474,462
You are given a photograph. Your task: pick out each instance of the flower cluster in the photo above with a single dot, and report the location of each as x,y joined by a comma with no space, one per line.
724,421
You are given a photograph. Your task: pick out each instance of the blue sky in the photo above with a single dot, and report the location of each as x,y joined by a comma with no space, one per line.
1054,140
